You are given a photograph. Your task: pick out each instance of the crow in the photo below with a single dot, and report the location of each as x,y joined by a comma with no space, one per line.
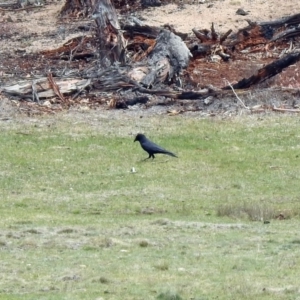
150,147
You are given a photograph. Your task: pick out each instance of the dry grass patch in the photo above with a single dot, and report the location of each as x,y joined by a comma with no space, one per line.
250,211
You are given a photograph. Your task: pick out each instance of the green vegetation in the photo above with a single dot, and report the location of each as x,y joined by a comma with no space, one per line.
219,222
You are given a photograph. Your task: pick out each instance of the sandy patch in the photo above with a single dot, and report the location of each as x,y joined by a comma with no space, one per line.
222,13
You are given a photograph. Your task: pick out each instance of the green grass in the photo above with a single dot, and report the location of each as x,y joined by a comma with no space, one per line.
77,224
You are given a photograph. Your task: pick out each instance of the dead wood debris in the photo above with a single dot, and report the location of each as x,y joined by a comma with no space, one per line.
56,90
152,60
76,48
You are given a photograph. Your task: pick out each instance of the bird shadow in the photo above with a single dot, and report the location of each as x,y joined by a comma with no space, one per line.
146,160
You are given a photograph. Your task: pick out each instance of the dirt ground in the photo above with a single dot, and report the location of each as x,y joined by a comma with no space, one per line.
221,12
24,33
41,29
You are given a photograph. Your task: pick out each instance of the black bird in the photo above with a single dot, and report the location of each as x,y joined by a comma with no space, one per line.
150,147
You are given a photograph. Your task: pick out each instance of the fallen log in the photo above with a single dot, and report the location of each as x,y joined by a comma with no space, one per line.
267,72
169,56
164,63
43,88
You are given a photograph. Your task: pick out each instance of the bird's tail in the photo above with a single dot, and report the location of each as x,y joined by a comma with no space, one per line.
170,153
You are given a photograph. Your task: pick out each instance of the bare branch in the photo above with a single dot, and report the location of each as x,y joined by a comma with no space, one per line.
243,104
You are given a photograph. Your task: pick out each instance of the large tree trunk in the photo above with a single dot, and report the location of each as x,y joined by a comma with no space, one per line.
111,41
110,38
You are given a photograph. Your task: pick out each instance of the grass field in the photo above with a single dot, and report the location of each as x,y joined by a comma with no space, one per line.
219,222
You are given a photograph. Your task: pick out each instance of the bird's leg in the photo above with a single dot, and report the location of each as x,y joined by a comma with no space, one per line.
148,157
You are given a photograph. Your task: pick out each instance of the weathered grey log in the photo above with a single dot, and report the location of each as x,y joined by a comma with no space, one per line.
42,88
164,63
169,56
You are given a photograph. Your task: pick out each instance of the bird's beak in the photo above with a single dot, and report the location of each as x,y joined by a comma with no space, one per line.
135,140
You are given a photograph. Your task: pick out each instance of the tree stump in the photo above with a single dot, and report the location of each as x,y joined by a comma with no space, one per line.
110,37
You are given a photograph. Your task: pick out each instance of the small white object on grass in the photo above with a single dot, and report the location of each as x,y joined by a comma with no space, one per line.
133,170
